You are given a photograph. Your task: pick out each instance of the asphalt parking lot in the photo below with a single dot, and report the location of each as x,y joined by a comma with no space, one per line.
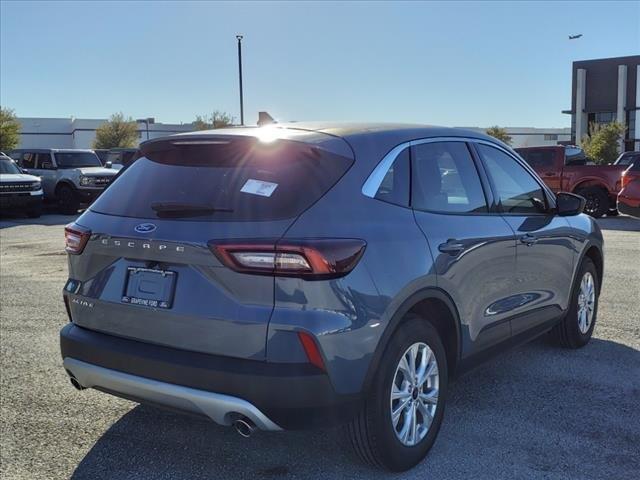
536,412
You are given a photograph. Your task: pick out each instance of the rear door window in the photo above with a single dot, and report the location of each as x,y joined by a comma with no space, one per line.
230,180
444,179
43,161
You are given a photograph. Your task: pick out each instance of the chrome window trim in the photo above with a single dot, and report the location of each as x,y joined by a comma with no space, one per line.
374,180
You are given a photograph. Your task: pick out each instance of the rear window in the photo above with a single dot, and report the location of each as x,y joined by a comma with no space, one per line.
574,156
628,158
238,180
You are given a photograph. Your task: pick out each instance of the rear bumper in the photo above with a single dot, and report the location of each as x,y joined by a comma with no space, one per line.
627,209
273,395
222,409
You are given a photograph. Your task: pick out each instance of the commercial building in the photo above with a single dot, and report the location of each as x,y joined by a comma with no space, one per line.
80,133
604,91
534,137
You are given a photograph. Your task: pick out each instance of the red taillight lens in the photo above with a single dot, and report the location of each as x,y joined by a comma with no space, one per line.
75,238
628,177
310,259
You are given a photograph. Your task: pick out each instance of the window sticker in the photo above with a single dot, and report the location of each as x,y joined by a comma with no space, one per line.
259,187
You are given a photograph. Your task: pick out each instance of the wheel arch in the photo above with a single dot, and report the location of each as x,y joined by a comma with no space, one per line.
594,253
430,302
64,182
591,183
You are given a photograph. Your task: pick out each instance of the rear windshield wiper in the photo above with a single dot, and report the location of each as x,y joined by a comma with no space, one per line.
178,210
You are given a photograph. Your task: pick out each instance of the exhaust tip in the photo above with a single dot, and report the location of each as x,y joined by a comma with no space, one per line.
244,427
75,382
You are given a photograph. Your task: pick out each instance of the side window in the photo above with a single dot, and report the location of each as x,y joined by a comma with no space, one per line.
28,160
444,179
43,161
395,184
113,157
517,190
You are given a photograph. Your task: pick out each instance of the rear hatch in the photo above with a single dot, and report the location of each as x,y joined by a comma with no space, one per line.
148,272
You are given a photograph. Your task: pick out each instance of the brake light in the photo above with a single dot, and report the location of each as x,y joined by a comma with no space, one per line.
310,259
628,177
75,238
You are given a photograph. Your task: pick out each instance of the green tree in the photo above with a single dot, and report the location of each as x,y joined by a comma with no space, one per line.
116,132
216,120
499,133
9,130
601,144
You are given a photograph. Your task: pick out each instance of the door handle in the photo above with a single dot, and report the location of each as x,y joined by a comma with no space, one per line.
528,239
452,247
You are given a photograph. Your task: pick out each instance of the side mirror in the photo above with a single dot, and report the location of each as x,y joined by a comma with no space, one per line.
108,165
569,204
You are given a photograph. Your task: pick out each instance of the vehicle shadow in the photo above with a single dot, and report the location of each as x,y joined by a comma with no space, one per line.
530,413
53,218
623,222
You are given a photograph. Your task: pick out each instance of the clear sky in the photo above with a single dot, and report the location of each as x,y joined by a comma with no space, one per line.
461,64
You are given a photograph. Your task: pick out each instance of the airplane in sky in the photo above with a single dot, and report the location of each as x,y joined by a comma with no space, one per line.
573,37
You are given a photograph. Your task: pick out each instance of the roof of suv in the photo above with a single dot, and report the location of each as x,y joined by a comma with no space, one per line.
54,150
328,134
345,130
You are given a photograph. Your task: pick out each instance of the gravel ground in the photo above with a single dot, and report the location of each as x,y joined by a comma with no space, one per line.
535,412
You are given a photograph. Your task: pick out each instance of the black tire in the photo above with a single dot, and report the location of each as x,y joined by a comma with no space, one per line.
35,212
613,213
372,433
597,201
567,333
68,200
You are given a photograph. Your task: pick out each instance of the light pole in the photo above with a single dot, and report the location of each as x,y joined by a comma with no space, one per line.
239,37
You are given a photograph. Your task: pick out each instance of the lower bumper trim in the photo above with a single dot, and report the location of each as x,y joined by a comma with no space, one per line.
220,408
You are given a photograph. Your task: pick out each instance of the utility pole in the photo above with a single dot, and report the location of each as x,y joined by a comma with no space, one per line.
239,37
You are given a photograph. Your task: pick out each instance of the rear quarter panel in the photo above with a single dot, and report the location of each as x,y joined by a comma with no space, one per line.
581,176
348,316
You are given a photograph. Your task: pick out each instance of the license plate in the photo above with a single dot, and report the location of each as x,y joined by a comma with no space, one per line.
149,287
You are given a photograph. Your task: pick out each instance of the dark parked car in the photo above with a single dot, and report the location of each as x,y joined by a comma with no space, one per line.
627,158
121,157
303,275
19,191
629,196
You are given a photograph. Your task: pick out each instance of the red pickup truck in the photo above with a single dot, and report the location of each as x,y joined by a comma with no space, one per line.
564,168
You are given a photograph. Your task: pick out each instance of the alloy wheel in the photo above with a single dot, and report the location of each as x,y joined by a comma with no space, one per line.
414,394
586,302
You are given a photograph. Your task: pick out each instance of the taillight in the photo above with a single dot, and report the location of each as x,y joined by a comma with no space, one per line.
312,259
75,238
628,177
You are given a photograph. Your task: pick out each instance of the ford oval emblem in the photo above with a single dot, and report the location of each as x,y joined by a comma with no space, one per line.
145,228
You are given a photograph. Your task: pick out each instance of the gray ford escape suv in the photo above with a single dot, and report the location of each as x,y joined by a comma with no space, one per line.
309,274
